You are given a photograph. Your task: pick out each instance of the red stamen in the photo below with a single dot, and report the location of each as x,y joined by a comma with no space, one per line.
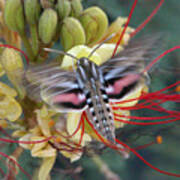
82,131
16,163
76,130
146,162
125,27
143,118
141,26
109,144
2,172
25,142
144,146
12,47
159,57
147,123
4,132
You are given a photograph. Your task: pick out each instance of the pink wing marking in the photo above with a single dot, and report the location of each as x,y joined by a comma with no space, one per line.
75,99
118,86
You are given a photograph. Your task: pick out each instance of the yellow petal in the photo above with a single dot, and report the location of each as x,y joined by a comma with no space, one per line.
106,51
19,133
46,166
43,120
74,156
73,120
9,108
26,138
124,113
133,95
116,28
48,151
39,146
79,52
5,89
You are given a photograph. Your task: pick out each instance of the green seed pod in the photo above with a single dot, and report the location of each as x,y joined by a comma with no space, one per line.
32,11
63,8
13,66
95,23
48,25
72,33
14,16
77,8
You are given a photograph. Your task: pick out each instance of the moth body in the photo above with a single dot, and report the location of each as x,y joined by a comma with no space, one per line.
92,84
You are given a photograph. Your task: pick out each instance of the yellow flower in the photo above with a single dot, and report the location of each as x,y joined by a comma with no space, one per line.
9,107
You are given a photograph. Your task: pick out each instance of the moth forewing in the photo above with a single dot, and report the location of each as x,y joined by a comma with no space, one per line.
90,87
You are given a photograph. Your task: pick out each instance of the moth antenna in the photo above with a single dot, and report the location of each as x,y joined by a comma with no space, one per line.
97,47
60,52
64,53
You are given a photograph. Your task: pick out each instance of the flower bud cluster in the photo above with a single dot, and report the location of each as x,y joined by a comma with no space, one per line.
50,21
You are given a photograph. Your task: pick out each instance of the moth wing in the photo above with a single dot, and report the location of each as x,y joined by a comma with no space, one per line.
123,72
55,86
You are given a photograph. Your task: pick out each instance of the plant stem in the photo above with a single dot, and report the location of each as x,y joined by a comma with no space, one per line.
104,169
28,47
34,36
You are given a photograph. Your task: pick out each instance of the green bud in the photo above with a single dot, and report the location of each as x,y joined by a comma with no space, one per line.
77,8
48,25
72,33
32,11
14,16
64,8
13,66
95,23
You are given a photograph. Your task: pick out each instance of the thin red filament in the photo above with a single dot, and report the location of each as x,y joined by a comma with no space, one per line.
141,26
147,123
82,131
16,163
146,162
125,27
17,49
144,146
25,142
159,57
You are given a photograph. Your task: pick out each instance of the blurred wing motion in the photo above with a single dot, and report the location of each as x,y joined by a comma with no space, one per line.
123,73
57,87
